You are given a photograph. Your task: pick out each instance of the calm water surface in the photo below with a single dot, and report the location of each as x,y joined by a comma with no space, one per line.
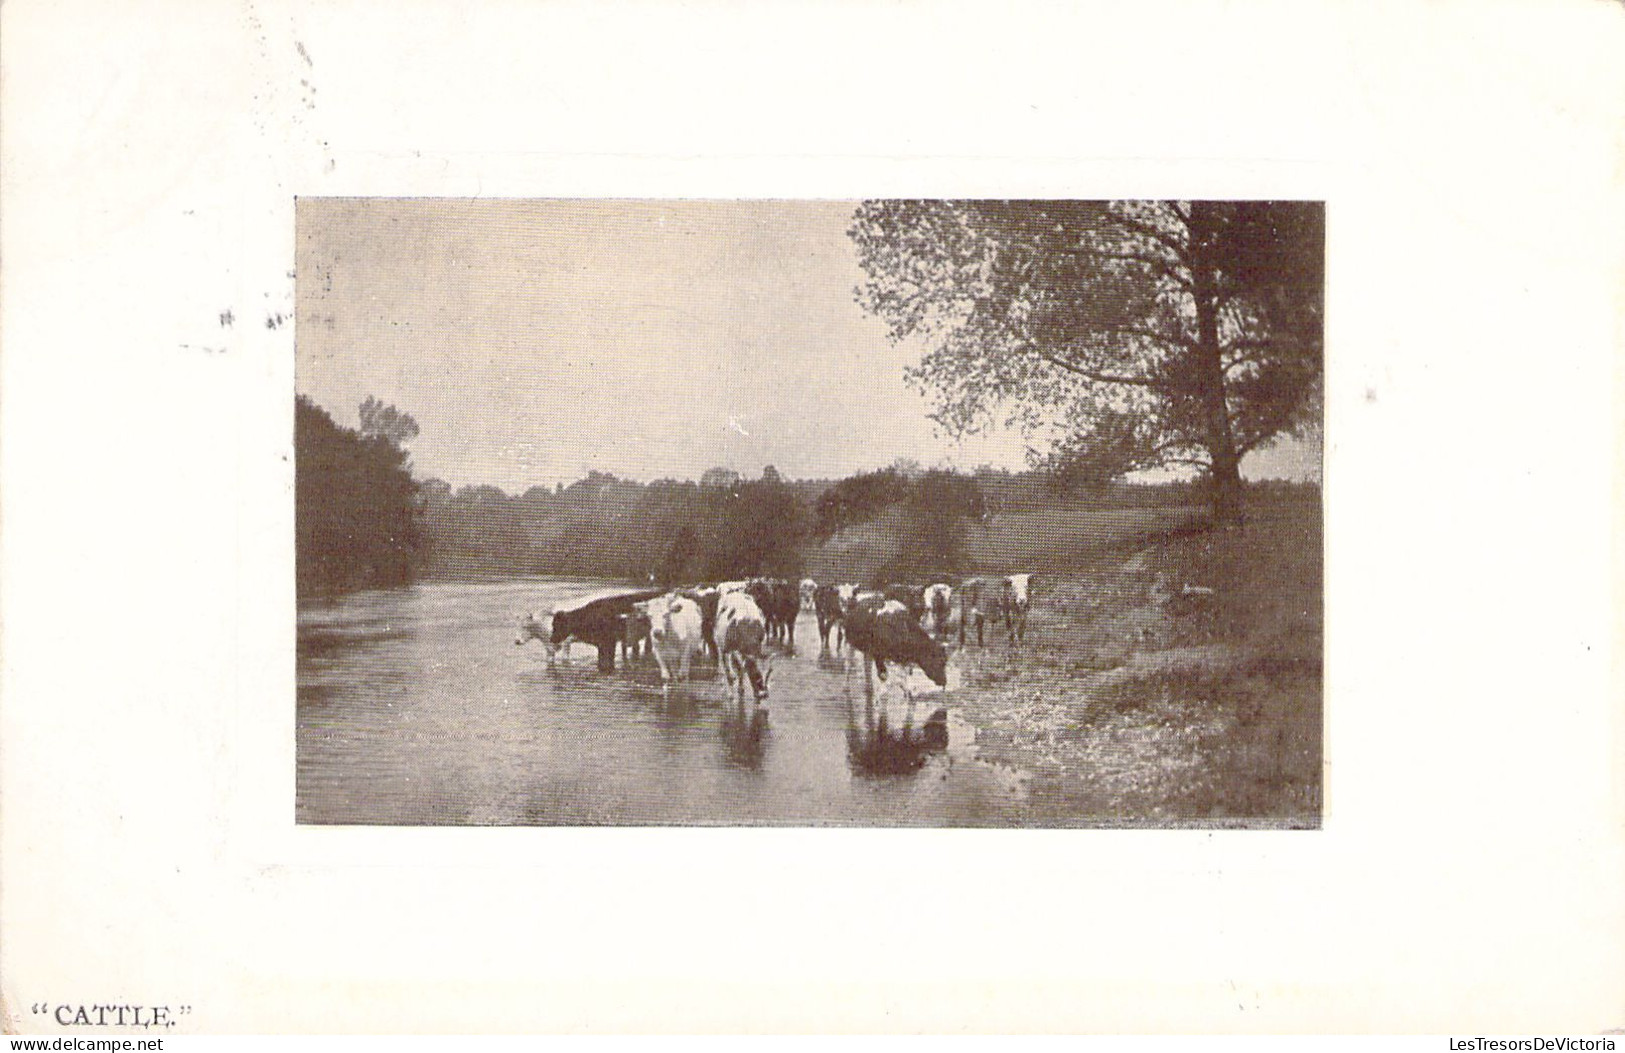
415,707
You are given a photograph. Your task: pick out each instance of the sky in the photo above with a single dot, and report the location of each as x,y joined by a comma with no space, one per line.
536,340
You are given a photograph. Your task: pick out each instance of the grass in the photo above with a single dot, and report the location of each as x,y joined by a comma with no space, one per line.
1127,706
1061,539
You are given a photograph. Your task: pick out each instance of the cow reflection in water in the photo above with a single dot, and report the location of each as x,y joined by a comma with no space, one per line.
875,748
744,738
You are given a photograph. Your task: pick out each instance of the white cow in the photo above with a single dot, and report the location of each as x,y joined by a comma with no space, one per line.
675,633
808,587
534,628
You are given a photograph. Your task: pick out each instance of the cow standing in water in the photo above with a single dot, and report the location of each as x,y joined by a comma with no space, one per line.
601,623
707,599
892,634
910,596
534,628
786,608
740,630
828,610
779,604
634,635
675,632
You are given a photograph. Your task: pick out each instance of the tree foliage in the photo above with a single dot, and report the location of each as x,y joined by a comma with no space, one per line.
602,526
381,421
1131,333
931,542
857,499
758,533
355,506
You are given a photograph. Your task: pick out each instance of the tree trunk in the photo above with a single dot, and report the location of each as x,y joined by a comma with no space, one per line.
1220,440
1226,490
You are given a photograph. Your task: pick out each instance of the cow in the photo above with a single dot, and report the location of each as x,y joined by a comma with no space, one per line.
910,596
978,597
634,635
601,623
761,590
741,627
707,599
732,586
676,630
786,607
808,588
870,600
534,628
892,634
827,609
780,605
1014,603
939,606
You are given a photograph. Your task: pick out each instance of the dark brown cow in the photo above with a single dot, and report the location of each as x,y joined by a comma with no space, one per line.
601,623
780,603
827,609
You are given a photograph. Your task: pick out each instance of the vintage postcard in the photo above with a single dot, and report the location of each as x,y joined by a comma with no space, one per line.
810,518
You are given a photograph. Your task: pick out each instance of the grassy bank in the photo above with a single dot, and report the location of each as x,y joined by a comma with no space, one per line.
1057,540
1133,701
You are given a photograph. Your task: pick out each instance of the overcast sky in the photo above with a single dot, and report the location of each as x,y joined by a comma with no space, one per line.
534,341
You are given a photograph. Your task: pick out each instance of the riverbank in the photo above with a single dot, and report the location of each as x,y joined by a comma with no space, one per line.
1137,699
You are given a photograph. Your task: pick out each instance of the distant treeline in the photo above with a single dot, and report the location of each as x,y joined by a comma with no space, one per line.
682,531
363,521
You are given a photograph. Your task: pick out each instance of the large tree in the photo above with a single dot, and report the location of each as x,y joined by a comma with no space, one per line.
355,507
931,534
1131,334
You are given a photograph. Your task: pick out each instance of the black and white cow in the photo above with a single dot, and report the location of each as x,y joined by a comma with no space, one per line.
1017,597
740,631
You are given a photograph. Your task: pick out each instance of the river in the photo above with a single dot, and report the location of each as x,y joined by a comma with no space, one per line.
415,707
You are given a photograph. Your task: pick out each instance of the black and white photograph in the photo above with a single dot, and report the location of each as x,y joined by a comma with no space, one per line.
873,513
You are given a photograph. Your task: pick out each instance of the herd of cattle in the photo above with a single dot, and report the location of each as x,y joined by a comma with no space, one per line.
735,620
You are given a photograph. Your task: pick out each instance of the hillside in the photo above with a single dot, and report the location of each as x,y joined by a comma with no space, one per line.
1047,540
1132,700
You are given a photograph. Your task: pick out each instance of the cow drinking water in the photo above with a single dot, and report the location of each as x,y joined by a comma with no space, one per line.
892,634
601,623
740,631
